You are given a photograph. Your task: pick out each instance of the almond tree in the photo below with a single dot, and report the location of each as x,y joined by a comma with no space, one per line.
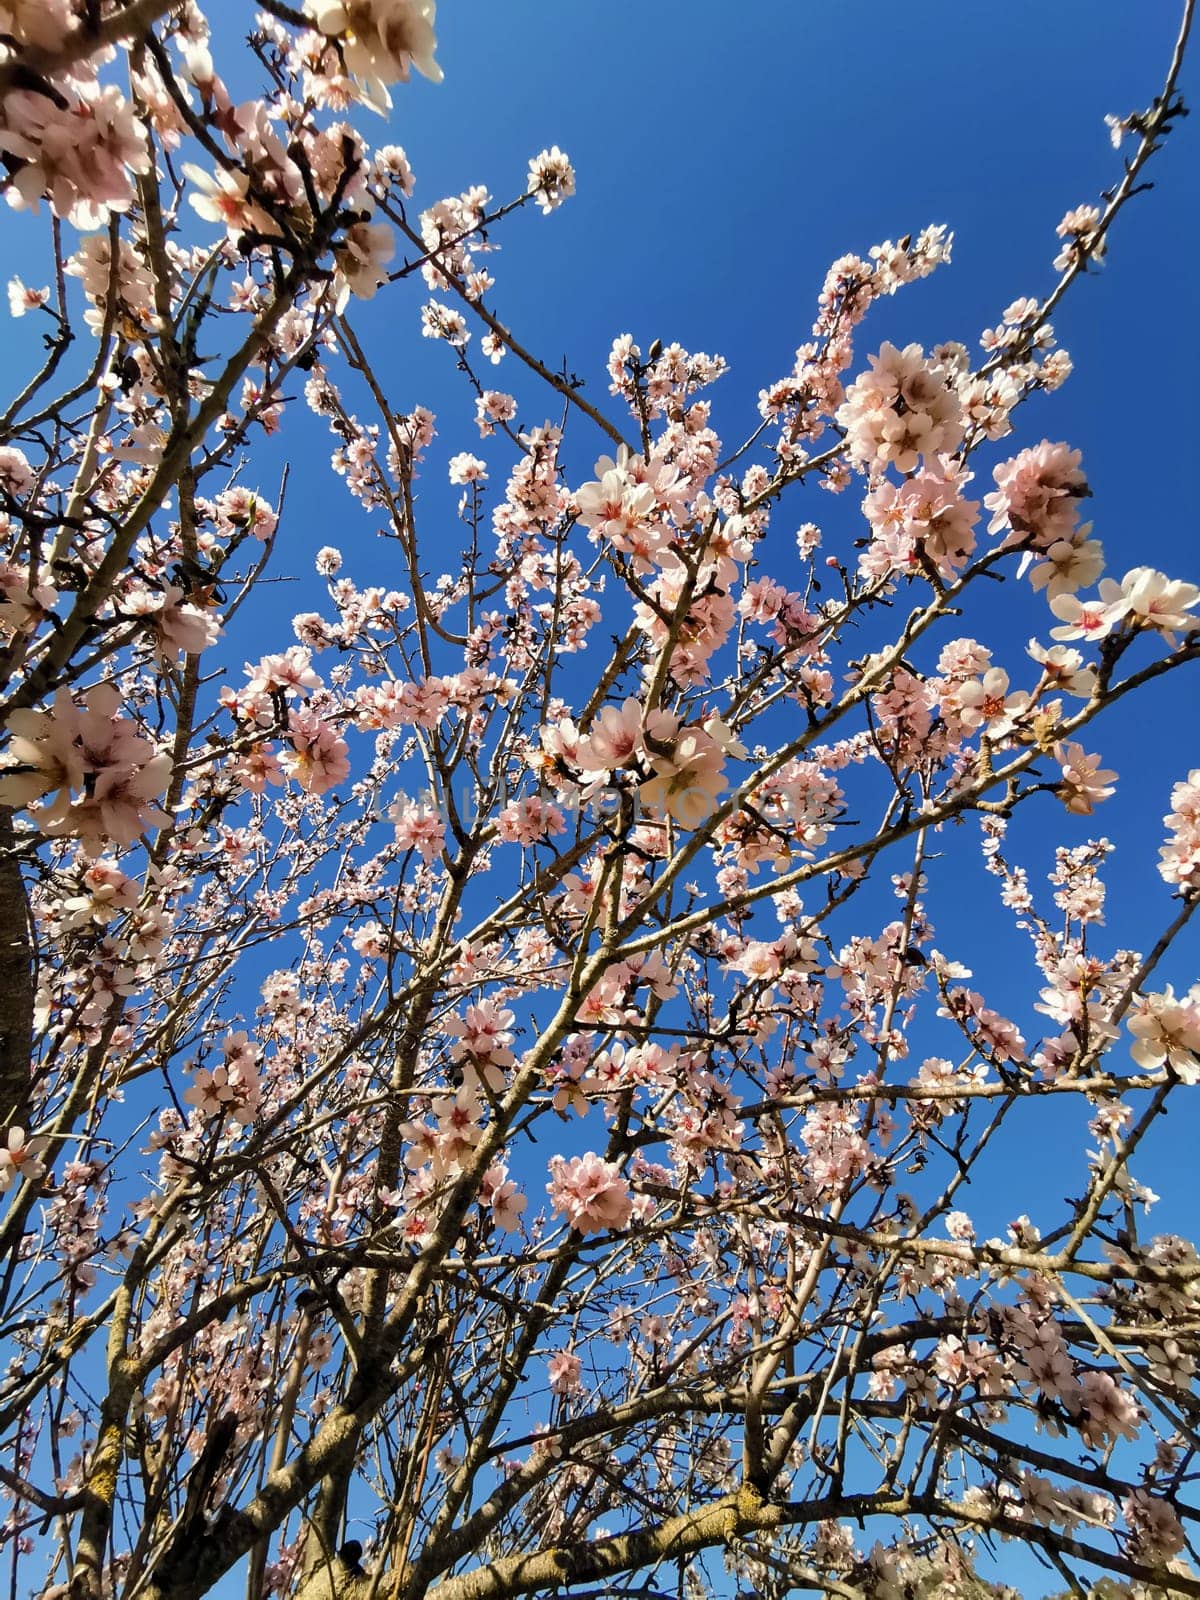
485,1109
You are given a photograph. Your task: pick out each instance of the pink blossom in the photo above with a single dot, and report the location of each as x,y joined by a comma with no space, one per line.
565,1371
41,23
258,767
230,1091
481,1039
903,409
24,605
986,702
1069,565
1088,619
1064,668
924,514
1156,1531
418,828
106,893
243,510
1156,601
179,626
1180,856
525,822
492,410
81,151
614,739
1083,784
92,749
224,197
591,1193
289,674
1037,495
319,758
1078,228
501,1194
688,776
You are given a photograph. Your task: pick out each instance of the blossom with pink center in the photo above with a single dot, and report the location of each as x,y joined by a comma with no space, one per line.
125,278
243,510
79,152
1156,1532
493,410
179,627
289,674
1064,668
481,1039
257,767
106,893
621,510
688,771
22,299
1078,229
459,1129
24,604
224,197
440,322
614,739
1180,857
466,468
371,940
591,1193
710,616
1156,601
959,1226
1108,1412
1089,619
925,513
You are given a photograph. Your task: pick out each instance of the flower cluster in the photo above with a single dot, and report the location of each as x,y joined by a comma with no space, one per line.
229,1092
904,410
102,774
591,1193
